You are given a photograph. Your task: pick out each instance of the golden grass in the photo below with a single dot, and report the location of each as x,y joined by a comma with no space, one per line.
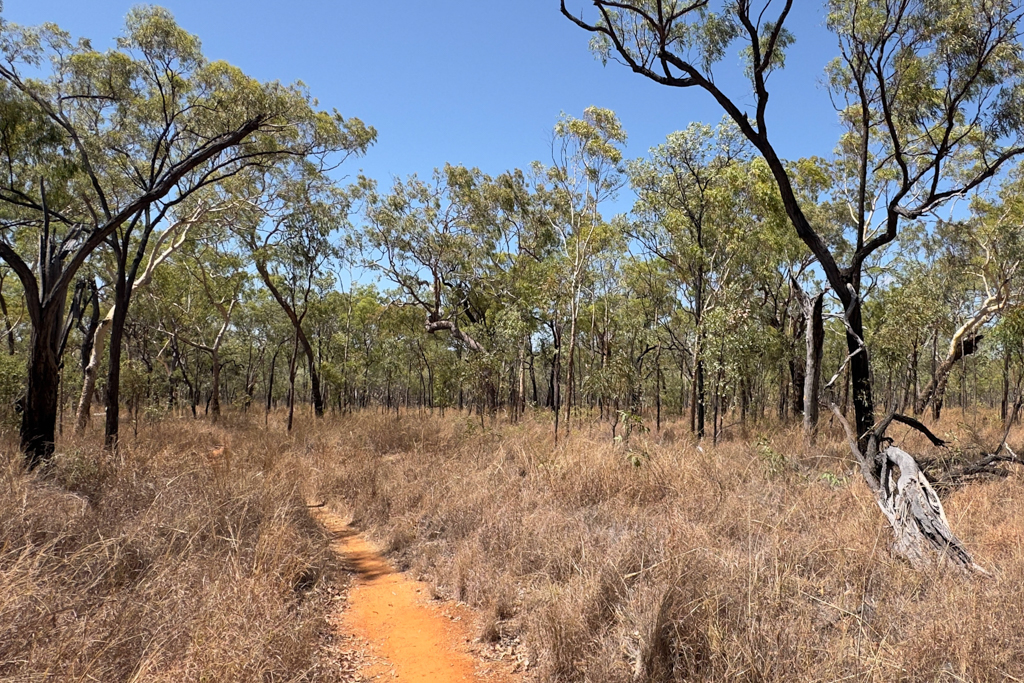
653,560
755,560
160,564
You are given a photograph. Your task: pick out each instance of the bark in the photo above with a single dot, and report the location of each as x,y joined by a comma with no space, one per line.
215,387
935,390
812,377
1004,402
39,410
112,424
270,384
570,374
83,413
698,408
9,329
46,311
89,331
915,513
291,383
814,338
920,529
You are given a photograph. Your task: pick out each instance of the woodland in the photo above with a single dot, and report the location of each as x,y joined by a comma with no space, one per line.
812,366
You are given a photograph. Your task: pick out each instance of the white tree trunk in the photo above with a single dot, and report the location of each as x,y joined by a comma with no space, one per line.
99,344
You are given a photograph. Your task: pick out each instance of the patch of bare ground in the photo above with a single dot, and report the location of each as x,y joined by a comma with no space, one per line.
655,560
403,630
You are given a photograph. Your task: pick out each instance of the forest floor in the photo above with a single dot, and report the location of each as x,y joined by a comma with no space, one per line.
192,555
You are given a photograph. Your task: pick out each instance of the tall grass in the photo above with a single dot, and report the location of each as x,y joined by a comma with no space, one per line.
170,561
651,559
656,560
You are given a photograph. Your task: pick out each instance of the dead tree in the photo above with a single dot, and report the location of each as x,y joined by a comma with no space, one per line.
906,497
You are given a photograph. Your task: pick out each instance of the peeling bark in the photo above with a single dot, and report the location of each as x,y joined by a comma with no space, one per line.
921,532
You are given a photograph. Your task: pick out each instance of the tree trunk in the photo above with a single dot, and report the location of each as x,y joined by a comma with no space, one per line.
39,410
921,531
915,513
860,370
291,383
270,384
1004,403
314,377
814,338
111,426
9,330
698,410
84,412
935,391
570,374
215,387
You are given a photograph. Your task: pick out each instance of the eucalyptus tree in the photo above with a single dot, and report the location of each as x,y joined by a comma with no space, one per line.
586,172
101,141
162,244
289,231
930,97
219,275
983,255
426,239
685,218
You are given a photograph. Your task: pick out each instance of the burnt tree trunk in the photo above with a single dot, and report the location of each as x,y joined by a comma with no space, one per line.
39,410
814,338
215,387
112,424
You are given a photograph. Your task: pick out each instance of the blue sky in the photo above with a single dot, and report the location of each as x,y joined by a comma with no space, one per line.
476,82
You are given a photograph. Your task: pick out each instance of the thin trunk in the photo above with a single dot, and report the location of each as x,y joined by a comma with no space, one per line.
84,412
570,373
270,385
215,387
1004,404
9,330
815,339
291,382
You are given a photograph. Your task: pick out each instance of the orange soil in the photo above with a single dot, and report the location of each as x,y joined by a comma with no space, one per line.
410,637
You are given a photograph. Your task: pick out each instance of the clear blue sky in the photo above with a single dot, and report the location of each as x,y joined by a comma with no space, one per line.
476,82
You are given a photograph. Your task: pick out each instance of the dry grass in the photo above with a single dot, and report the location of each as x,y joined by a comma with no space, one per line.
168,562
650,561
658,561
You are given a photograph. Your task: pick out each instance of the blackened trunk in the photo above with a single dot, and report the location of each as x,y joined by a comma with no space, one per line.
111,425
39,410
860,373
215,388
1004,403
698,392
815,338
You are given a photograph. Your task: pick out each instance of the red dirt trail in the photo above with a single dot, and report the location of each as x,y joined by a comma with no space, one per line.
409,636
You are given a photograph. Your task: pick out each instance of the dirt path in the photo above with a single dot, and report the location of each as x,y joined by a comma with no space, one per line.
409,636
